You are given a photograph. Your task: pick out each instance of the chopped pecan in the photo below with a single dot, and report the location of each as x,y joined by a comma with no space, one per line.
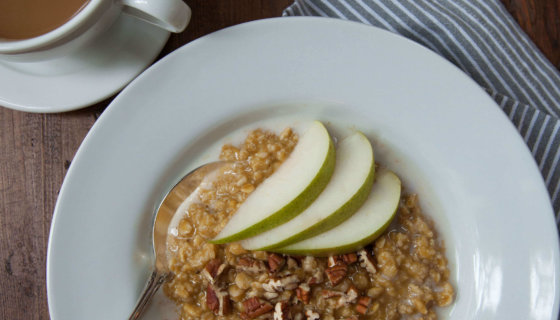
361,309
366,261
334,260
331,293
212,300
290,282
311,315
349,258
217,301
252,293
309,264
275,262
350,296
225,305
292,263
251,265
363,304
272,285
303,292
299,259
213,269
282,311
318,275
295,301
336,273
252,304
270,295
281,284
312,280
254,308
365,300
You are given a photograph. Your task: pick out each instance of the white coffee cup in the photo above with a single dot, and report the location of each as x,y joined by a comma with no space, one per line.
90,23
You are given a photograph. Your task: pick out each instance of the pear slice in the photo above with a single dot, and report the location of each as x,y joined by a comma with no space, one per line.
288,191
362,228
348,189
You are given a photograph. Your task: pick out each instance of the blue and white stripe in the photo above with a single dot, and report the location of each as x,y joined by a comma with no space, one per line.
481,38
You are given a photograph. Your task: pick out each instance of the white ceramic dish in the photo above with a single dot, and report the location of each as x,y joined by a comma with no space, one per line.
86,76
429,122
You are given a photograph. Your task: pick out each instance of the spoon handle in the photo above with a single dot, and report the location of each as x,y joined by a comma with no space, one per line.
157,278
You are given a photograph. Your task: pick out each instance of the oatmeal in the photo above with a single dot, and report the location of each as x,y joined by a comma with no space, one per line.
401,275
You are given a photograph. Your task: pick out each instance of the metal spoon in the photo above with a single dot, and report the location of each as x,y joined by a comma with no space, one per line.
164,216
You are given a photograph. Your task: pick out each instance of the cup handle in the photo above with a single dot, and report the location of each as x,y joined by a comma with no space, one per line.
171,15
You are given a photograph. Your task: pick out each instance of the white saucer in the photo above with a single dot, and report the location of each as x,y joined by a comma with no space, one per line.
86,76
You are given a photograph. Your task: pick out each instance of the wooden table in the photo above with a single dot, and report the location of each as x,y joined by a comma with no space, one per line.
36,149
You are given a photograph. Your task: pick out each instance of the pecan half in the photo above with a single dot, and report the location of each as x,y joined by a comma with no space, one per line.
250,265
275,262
282,311
336,273
363,304
311,315
255,307
303,292
366,261
213,269
349,258
217,301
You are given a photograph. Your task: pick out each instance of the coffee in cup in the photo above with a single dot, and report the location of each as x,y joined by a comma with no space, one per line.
35,30
24,19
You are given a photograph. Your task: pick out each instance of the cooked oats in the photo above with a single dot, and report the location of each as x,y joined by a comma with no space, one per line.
402,275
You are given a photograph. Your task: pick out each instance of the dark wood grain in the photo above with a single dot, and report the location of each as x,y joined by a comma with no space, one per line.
36,149
541,21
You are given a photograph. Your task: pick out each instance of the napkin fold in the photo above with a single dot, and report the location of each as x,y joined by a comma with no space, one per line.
481,38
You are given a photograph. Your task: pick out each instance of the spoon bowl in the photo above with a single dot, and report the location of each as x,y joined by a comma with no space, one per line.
163,218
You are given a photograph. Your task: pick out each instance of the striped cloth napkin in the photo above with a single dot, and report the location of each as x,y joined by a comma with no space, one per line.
481,38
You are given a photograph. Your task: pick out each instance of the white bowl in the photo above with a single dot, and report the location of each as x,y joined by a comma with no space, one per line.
429,122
